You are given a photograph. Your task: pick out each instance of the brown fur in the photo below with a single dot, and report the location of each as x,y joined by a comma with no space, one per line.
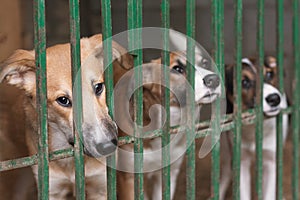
151,96
19,71
248,95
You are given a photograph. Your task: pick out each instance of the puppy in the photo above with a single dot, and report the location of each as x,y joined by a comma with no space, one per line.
207,89
99,131
273,102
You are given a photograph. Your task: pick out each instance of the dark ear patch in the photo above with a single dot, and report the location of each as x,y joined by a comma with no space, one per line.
229,70
229,78
19,70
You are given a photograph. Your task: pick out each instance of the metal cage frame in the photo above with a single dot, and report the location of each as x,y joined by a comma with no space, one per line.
232,122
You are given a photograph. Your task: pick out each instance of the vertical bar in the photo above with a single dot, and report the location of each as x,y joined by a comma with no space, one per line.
296,102
108,75
77,98
190,165
135,43
238,99
41,98
218,43
279,128
165,18
259,98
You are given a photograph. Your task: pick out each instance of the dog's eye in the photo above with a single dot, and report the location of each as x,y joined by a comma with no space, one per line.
178,69
205,63
64,101
246,83
269,76
99,88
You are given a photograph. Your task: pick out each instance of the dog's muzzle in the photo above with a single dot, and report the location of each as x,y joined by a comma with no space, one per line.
105,144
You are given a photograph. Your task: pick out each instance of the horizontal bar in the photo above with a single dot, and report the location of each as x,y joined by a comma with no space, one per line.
248,117
33,160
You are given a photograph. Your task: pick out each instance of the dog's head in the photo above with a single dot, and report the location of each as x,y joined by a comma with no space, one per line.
272,98
99,131
207,83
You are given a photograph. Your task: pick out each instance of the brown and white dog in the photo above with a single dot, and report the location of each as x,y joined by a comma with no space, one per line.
273,102
207,89
99,131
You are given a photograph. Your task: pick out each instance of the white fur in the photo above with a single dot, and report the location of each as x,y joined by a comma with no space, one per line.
152,155
248,152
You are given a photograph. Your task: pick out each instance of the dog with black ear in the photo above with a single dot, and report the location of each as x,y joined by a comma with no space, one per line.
273,102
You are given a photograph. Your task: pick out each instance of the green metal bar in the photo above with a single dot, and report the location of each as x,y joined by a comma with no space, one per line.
108,74
41,98
190,164
279,128
218,43
296,102
138,101
259,98
202,128
135,43
238,99
33,160
77,98
165,18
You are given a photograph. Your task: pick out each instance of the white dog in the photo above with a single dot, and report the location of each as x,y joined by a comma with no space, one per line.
273,102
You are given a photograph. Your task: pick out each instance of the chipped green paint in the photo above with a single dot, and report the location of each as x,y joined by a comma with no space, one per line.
190,131
41,100
165,21
77,98
238,97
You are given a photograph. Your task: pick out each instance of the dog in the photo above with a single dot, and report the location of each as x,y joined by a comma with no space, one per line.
273,102
99,130
207,89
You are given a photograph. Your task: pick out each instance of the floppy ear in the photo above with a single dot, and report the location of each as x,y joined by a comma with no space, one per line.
19,70
151,76
122,63
179,41
122,56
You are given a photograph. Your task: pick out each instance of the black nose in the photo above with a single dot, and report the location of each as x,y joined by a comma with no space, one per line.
273,100
211,81
108,147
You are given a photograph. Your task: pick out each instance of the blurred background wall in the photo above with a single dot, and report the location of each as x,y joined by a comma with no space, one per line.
16,25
